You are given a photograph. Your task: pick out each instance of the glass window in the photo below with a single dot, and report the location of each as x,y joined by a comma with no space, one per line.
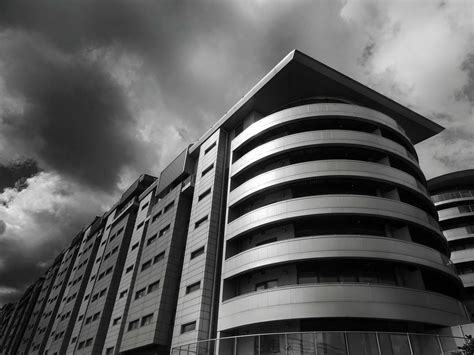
146,265
164,230
154,286
197,252
147,319
188,327
194,287
133,325
140,293
159,257
151,239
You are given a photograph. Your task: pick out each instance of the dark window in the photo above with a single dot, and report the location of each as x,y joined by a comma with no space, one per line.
151,239
154,286
164,230
155,217
159,257
81,345
109,351
96,316
145,205
133,325
208,149
140,293
123,293
89,342
140,225
135,246
204,194
116,320
197,252
200,222
195,286
267,241
146,265
188,327
168,207
147,319
130,268
208,169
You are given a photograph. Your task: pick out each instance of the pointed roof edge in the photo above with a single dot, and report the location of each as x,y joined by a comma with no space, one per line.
431,128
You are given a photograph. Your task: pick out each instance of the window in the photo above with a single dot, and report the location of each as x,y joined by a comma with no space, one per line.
81,317
208,169
86,297
154,286
135,246
197,252
89,342
130,268
168,207
96,316
140,293
109,351
116,321
73,340
88,320
147,319
195,286
266,284
146,265
159,257
133,325
164,230
208,149
200,222
108,271
204,194
155,217
188,327
145,205
102,292
123,293
114,250
81,345
151,239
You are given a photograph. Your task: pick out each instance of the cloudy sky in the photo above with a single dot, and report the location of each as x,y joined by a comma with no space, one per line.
93,93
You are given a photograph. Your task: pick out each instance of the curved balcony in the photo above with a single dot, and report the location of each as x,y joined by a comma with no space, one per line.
320,138
315,111
337,246
461,256
341,301
326,168
453,213
467,280
330,205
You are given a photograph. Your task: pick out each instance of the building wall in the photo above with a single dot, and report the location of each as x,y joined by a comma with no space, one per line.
197,305
123,296
154,293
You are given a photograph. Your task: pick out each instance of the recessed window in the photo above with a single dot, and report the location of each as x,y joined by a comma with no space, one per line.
147,319
81,345
146,265
89,342
204,194
109,351
208,149
164,230
154,286
133,325
130,268
155,217
208,169
168,207
135,246
140,293
140,225
151,239
145,205
123,293
96,316
108,271
73,340
197,252
200,222
188,327
116,321
194,287
159,257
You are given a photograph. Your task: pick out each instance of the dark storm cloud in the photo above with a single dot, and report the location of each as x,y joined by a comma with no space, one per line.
15,173
75,119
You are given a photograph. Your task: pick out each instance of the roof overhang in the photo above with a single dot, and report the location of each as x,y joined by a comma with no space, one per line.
457,179
299,76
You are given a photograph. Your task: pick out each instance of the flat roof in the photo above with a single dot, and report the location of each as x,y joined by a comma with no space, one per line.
298,76
462,178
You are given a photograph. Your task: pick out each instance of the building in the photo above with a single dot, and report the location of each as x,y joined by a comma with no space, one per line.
303,211
453,195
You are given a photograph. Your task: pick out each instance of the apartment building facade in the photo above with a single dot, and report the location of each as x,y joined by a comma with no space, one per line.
303,209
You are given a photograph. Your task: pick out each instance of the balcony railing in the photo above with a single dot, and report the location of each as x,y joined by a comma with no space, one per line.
326,343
